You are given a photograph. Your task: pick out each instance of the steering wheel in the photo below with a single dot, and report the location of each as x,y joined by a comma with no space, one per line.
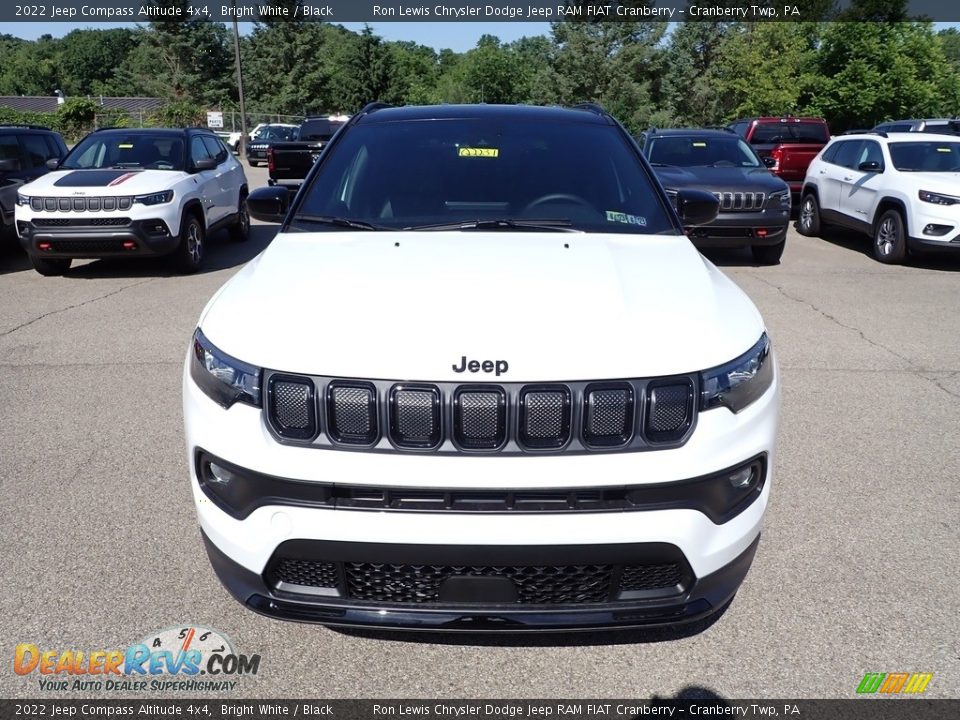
557,197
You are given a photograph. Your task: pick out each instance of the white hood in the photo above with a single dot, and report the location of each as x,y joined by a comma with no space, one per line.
409,306
102,183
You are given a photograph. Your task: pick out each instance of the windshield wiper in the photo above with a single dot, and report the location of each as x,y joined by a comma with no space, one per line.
125,166
339,222
550,224
659,164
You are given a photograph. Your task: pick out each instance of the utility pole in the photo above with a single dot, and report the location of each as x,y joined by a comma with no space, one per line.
242,145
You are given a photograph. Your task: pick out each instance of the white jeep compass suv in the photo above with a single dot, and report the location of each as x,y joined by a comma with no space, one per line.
133,192
481,380
901,189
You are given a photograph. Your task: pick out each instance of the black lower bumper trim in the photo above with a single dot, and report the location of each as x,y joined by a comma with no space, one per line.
149,237
703,597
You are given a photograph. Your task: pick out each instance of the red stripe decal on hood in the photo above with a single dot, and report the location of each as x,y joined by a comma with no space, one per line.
122,178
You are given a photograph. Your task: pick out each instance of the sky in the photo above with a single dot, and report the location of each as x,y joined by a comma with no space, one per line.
458,36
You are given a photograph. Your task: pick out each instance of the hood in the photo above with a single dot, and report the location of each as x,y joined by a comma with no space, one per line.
411,306
100,183
720,179
939,182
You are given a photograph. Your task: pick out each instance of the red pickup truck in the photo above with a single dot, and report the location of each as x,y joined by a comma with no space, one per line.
786,144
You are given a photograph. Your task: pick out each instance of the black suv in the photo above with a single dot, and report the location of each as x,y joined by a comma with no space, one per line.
24,152
754,203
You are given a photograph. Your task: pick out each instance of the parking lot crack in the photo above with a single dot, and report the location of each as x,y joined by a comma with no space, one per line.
839,323
73,307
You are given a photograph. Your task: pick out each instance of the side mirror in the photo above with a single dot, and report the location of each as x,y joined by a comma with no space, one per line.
697,207
54,163
269,204
9,165
205,164
871,166
769,161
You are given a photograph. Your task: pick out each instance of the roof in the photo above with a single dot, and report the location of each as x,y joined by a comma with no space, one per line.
900,136
48,103
485,112
154,130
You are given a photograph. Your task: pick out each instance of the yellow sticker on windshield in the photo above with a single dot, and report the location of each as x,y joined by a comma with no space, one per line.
478,152
125,146
699,144
943,149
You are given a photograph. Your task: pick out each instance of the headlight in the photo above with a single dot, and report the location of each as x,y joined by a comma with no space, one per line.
779,200
221,377
22,199
739,382
938,198
155,198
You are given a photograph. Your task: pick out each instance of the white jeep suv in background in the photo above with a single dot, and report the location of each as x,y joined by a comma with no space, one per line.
133,192
901,189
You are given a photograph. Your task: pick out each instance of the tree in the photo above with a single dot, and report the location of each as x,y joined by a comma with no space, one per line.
89,59
689,75
367,72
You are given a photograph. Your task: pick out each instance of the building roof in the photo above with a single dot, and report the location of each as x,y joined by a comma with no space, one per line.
48,103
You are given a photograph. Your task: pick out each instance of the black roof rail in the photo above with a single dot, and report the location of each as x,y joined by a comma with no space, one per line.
592,107
373,107
18,126
723,128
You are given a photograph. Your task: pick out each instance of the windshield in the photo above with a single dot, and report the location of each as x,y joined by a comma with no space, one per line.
926,156
135,150
277,132
790,132
411,174
693,151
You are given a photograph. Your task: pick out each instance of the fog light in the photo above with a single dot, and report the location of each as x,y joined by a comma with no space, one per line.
742,478
220,475
937,230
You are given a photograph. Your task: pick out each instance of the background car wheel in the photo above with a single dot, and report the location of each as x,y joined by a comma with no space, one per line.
808,221
50,267
768,254
890,238
240,230
189,254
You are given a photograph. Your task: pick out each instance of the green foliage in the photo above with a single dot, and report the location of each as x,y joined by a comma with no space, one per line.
179,113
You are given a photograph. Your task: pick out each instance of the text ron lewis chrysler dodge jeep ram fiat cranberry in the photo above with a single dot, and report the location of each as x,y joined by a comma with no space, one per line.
481,380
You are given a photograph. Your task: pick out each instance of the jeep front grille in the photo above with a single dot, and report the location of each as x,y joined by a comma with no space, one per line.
740,201
383,415
80,204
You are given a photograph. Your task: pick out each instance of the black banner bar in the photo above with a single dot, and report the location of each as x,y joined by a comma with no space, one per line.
134,11
597,709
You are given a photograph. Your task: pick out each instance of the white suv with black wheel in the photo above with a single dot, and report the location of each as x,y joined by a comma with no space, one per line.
481,380
901,189
133,192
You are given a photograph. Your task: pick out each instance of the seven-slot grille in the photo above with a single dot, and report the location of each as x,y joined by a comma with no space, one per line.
419,584
510,418
80,204
741,200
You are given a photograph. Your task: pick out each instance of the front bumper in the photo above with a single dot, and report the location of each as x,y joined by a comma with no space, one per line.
739,229
139,237
699,599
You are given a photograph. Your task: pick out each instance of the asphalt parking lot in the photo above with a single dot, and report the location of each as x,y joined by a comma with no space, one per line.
857,570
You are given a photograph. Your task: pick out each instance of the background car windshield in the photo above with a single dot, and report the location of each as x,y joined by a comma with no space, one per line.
280,133
926,156
789,132
134,151
415,173
702,151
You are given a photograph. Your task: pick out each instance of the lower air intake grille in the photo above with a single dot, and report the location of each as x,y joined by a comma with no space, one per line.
292,407
421,583
94,247
651,577
307,573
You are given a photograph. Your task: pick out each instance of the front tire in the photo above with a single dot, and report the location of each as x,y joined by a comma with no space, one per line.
240,230
890,238
189,255
50,267
768,254
808,221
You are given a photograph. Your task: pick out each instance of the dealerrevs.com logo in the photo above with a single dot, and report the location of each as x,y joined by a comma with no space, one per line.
188,658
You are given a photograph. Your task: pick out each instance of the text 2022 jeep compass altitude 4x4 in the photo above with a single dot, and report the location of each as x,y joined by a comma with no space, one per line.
481,380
